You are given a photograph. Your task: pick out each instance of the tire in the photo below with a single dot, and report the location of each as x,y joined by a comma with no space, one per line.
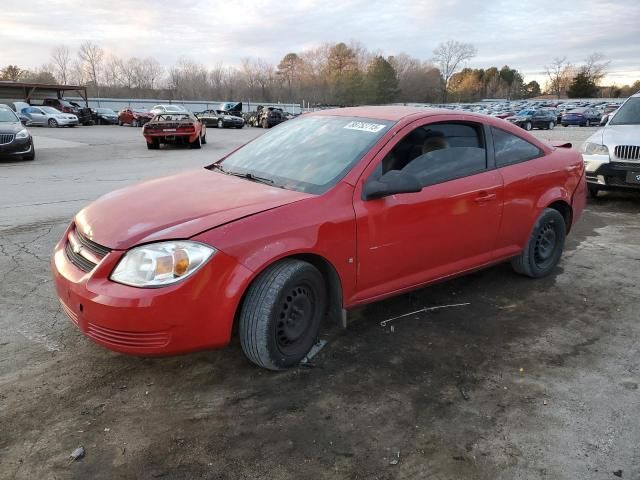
154,145
592,191
120,123
134,123
528,126
551,126
544,247
52,123
204,139
220,124
281,314
197,143
565,125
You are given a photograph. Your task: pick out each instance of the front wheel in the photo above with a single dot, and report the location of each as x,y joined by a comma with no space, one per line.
528,126
220,124
551,125
545,245
53,123
281,314
204,139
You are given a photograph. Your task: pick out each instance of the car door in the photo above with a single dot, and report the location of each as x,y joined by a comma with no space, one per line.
448,227
38,116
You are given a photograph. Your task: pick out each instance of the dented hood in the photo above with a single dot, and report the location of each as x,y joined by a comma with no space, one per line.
178,206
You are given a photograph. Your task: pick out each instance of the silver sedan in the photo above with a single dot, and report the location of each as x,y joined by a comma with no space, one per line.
50,116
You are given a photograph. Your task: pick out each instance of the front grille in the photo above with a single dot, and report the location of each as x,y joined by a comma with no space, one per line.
93,246
82,252
6,138
128,339
628,152
78,260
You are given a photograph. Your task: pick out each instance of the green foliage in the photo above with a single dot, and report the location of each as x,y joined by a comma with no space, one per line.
532,89
582,87
381,82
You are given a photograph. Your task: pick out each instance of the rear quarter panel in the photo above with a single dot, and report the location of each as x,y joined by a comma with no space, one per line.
529,188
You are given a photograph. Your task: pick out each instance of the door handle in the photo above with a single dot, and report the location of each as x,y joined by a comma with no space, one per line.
484,197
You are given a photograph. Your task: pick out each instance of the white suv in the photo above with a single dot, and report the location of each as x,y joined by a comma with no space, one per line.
612,154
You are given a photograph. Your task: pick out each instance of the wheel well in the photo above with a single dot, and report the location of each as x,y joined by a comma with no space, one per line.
565,210
332,282
331,279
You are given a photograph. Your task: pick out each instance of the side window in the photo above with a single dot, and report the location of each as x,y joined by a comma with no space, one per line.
438,152
510,149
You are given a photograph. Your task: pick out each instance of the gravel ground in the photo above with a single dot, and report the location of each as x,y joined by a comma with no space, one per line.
533,380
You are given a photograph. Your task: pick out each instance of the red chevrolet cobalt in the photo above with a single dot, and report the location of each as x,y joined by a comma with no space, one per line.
323,213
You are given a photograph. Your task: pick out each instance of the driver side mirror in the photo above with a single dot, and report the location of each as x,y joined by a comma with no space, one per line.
392,182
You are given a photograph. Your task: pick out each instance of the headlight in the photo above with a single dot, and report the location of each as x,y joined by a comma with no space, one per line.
594,149
159,264
22,133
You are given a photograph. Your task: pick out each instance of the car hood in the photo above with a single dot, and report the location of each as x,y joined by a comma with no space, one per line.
618,135
11,127
178,206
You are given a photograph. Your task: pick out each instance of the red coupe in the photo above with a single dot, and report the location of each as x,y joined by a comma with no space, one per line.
331,210
134,117
176,128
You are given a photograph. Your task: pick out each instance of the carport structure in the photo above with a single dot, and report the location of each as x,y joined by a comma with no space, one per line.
26,92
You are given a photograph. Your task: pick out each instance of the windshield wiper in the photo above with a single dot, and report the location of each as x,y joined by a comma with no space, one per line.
248,176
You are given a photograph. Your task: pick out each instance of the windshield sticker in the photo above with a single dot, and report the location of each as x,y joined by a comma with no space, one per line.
364,126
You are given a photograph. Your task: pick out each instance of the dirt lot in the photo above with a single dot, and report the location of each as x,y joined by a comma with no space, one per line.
532,380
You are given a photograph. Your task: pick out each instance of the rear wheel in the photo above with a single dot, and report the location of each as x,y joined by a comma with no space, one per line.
528,126
134,123
551,125
197,143
220,124
265,123
53,123
154,145
545,245
120,123
281,314
204,138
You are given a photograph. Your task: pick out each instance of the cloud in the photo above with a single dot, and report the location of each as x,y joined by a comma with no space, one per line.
526,35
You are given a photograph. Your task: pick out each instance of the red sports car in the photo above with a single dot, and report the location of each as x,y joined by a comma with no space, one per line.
134,117
177,128
331,210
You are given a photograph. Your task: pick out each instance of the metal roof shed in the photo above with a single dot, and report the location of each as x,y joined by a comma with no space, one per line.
25,92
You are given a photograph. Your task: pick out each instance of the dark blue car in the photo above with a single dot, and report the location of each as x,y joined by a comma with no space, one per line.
583,117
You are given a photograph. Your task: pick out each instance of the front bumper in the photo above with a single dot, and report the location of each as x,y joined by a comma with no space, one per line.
194,314
608,175
66,122
17,148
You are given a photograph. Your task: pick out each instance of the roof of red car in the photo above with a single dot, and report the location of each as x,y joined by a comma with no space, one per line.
390,112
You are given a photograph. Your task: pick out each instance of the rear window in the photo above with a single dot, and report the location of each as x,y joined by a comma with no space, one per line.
510,149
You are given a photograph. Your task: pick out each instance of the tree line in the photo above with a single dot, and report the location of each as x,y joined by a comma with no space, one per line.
330,74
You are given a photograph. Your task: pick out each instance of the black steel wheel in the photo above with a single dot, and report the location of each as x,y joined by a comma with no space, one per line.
544,248
282,313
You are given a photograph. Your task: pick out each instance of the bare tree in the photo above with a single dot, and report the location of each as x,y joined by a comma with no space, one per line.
595,67
449,56
560,73
153,71
91,56
61,59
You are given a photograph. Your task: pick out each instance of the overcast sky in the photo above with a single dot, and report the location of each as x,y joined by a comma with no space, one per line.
523,34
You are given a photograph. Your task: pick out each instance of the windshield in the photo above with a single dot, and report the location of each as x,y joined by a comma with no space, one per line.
172,108
50,110
308,154
7,115
628,113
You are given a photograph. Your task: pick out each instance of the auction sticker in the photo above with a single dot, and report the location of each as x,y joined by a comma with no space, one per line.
364,126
